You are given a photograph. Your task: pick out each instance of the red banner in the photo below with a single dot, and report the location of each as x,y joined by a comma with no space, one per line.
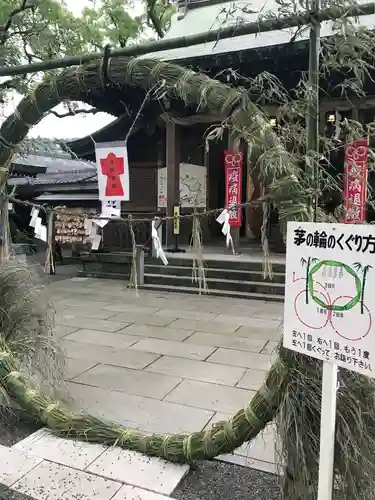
355,181
233,186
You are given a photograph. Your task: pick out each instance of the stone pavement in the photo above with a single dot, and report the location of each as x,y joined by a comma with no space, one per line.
161,363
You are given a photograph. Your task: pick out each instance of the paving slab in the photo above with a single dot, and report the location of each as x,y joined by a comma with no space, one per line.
88,312
138,412
69,452
274,312
262,447
203,326
229,341
108,355
252,379
186,314
157,332
241,358
131,493
197,370
61,330
259,333
270,347
92,324
241,320
14,464
142,318
138,470
136,382
168,347
51,481
131,308
213,397
74,367
102,338
78,301
250,463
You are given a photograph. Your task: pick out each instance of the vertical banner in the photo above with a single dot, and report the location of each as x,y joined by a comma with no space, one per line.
113,171
355,181
176,219
233,186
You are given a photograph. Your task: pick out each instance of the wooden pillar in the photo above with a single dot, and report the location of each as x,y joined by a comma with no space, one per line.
234,144
173,154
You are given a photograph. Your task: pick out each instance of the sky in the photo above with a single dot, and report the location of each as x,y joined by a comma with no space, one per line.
69,127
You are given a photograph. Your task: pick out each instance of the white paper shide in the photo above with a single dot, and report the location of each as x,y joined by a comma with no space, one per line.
224,220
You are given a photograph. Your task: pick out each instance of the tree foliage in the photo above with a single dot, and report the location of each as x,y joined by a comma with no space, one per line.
38,30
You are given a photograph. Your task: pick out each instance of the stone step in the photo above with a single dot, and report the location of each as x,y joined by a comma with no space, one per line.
231,262
265,297
215,273
262,287
102,275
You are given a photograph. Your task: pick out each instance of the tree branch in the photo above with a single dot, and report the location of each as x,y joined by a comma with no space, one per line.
74,112
154,18
5,29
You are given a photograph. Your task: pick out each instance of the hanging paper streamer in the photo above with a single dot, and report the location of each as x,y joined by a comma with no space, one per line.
34,215
95,242
42,233
157,245
224,220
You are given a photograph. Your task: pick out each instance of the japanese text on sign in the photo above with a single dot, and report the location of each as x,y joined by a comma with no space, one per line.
312,344
328,310
233,186
355,181
344,240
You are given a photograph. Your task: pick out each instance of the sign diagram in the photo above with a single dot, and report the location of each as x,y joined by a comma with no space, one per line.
329,309
322,288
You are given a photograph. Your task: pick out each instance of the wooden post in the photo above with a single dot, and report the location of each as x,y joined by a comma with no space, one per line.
234,145
50,254
140,265
173,174
5,240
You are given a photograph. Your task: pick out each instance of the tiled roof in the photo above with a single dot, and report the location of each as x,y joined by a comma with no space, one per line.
58,178
60,167
53,164
43,146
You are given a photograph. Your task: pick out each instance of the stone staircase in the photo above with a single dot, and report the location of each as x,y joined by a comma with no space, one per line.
240,279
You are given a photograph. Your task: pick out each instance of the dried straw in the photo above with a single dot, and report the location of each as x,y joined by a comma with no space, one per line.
297,399
49,264
133,281
267,264
27,326
244,119
298,423
223,437
199,268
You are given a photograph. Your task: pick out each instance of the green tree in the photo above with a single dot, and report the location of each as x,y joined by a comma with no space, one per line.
38,30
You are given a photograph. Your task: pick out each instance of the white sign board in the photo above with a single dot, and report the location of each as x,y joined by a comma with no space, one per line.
192,186
329,306
113,171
